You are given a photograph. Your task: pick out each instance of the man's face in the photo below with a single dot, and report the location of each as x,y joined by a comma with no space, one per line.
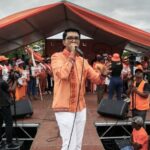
126,61
139,75
134,125
72,39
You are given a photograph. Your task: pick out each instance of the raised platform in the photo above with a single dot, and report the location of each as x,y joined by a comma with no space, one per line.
48,138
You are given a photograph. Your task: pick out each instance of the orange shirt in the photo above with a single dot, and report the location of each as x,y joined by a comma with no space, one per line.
67,76
140,103
21,90
98,67
141,137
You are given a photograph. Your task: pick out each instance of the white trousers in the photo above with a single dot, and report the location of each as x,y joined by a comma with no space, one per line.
65,123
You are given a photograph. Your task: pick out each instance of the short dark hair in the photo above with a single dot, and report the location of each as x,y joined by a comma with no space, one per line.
99,58
70,30
139,70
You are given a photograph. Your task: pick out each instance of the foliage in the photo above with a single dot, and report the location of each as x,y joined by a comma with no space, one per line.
125,53
19,53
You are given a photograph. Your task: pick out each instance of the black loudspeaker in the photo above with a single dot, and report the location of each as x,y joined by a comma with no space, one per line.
23,108
123,144
113,108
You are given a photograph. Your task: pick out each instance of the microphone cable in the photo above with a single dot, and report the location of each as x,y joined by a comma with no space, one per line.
80,83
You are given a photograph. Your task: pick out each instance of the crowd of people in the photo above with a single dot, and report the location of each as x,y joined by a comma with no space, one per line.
128,80
70,73
18,80
122,72
27,75
125,83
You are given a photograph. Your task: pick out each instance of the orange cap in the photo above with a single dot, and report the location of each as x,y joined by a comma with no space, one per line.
115,57
3,58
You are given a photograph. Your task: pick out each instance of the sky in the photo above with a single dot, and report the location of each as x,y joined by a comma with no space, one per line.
132,12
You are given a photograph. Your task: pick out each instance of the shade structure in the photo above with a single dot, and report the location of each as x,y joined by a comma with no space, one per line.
34,24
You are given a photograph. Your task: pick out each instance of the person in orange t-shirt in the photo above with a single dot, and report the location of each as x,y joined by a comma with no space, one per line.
139,95
70,72
98,67
138,65
139,137
21,88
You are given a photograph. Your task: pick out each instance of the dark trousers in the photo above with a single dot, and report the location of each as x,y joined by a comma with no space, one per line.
100,92
5,116
125,86
50,85
49,81
141,113
115,85
31,89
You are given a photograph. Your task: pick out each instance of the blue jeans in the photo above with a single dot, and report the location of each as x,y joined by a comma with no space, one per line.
127,148
115,85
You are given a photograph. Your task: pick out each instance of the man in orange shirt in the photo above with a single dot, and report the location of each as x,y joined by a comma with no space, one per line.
70,72
98,67
139,95
139,136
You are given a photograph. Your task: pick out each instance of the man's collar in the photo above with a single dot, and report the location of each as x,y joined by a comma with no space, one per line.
66,52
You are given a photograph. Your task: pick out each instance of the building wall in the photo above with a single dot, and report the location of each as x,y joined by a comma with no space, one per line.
88,46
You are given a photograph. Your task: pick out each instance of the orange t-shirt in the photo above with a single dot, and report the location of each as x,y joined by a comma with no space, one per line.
141,137
21,90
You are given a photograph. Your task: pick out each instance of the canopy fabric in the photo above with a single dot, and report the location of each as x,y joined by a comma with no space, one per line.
34,24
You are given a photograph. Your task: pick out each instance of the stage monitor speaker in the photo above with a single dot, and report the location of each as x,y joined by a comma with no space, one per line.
123,144
113,108
23,108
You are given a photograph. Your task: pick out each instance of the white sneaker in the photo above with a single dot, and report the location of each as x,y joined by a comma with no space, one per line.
127,100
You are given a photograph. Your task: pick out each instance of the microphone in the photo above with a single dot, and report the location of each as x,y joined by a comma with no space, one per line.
79,51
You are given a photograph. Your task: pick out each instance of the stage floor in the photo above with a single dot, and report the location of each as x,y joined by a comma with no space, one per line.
48,138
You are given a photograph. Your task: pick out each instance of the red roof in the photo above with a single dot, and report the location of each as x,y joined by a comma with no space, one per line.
34,24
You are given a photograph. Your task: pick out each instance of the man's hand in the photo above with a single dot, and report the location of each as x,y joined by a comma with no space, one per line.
72,48
136,146
28,49
134,89
106,69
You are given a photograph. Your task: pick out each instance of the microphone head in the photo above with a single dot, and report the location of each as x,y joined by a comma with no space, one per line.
79,51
